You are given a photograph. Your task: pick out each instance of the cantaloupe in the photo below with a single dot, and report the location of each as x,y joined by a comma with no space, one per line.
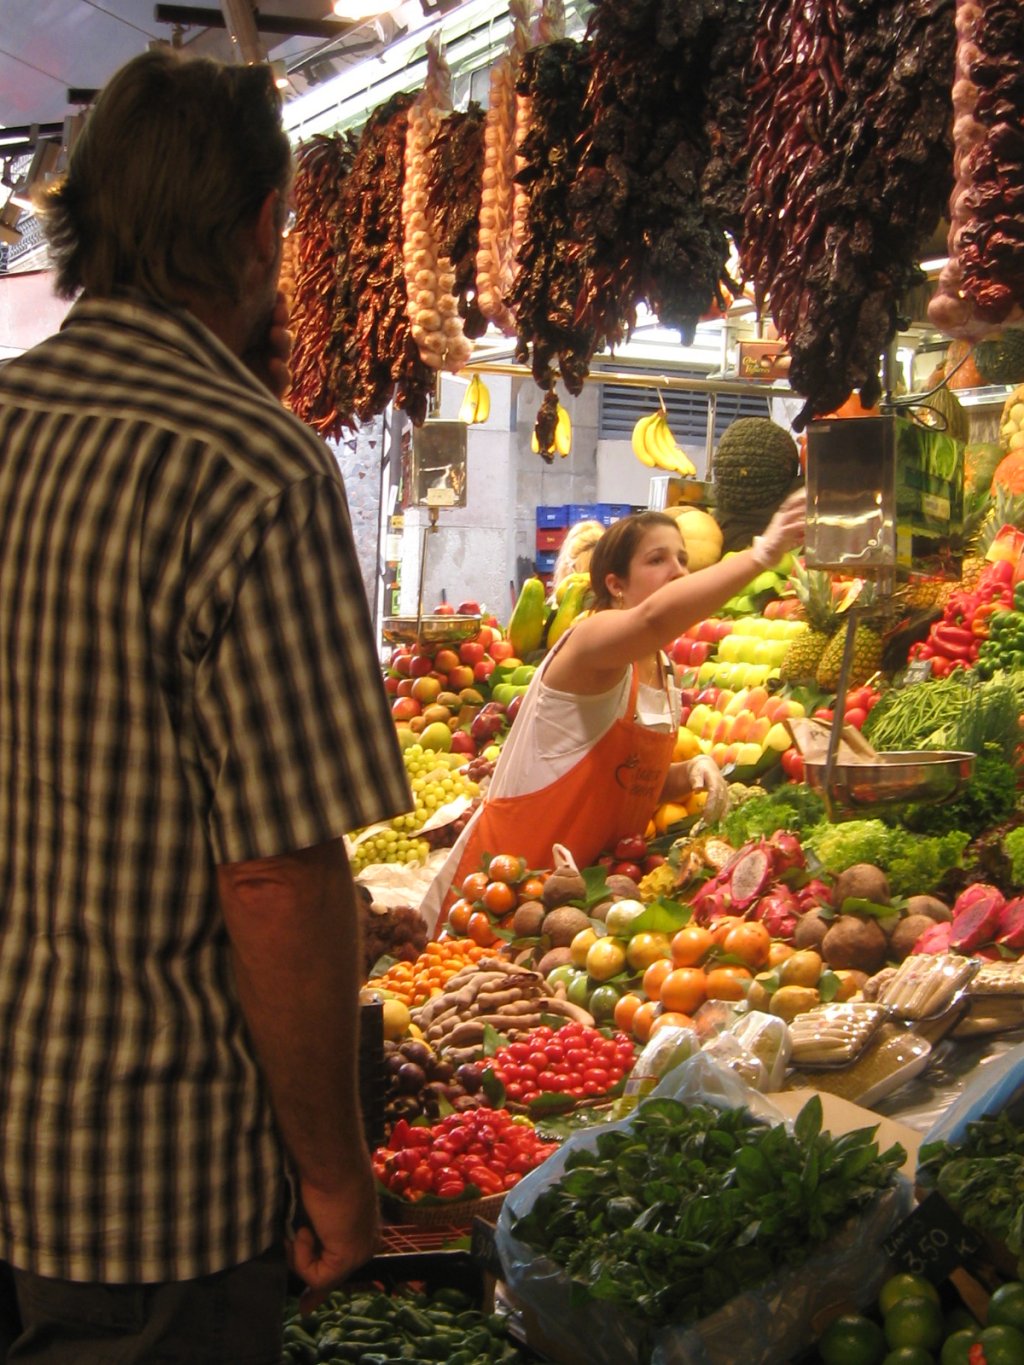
701,534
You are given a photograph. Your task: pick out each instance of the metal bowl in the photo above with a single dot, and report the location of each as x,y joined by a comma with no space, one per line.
429,630
904,775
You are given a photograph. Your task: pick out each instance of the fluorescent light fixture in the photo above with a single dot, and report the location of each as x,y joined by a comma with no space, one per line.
355,11
936,264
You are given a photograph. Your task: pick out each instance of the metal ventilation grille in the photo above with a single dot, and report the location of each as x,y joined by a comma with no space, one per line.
622,407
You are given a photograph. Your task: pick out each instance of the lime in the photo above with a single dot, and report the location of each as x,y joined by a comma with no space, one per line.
602,1003
852,1340
1006,1306
914,1321
956,1350
960,1319
909,1355
1002,1345
905,1286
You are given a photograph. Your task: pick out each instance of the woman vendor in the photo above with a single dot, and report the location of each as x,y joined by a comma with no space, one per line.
589,757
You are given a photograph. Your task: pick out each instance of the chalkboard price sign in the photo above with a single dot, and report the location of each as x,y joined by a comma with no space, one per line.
932,1241
919,670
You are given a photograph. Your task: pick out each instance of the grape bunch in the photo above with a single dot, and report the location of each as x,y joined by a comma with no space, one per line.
479,767
435,779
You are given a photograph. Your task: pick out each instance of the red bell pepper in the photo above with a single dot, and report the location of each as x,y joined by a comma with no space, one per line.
953,641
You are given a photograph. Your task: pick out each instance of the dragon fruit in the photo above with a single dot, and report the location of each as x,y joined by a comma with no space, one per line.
816,893
935,940
1010,930
778,911
976,915
750,874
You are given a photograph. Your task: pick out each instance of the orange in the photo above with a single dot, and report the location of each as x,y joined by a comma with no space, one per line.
530,889
684,990
499,897
778,952
643,1020
691,945
750,942
728,983
723,926
670,1019
654,976
474,885
506,867
480,929
625,1008
458,916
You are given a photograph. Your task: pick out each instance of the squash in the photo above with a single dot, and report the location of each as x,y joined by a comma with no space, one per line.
968,376
1009,473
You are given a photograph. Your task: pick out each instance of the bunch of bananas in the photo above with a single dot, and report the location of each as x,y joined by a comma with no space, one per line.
655,446
476,405
562,442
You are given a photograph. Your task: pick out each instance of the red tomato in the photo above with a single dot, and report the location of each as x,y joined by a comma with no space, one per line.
855,716
792,764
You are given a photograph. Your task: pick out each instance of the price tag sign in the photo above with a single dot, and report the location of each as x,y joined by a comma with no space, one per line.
482,1247
932,1241
918,670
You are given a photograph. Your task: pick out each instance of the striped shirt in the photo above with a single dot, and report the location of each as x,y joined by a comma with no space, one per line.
187,677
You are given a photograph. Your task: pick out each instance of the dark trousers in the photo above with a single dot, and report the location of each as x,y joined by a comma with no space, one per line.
234,1317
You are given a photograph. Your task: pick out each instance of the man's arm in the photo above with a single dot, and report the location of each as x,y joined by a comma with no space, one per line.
294,932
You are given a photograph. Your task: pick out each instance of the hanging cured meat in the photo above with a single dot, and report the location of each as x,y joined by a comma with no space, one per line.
639,225
455,167
435,321
373,357
850,169
982,286
549,279
321,167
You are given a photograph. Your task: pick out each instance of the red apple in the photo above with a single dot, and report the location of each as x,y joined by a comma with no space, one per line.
471,651
426,689
404,688
512,709
501,650
420,665
699,651
445,609
401,663
469,608
463,742
483,670
405,708
391,682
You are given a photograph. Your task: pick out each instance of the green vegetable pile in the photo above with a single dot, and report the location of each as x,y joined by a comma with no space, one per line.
983,1178
793,806
674,1214
957,712
1013,847
373,1328
985,801
912,862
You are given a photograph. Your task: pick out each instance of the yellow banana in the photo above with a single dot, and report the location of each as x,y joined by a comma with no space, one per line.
563,431
639,442
667,452
476,404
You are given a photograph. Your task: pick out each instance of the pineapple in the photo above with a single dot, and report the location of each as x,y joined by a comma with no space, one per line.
814,589
1006,509
867,657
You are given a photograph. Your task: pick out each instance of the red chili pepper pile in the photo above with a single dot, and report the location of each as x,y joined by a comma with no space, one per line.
954,641
480,1152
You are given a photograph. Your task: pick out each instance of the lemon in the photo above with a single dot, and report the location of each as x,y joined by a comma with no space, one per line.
396,1019
914,1321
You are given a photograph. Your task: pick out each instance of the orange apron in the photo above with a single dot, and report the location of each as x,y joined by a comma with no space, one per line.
611,792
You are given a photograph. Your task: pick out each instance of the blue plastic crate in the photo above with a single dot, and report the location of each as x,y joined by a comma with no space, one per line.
617,510
546,560
582,511
553,515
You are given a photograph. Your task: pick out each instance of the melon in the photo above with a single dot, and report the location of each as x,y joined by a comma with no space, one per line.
701,535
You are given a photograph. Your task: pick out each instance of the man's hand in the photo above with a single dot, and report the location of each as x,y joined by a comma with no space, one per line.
343,1235
269,360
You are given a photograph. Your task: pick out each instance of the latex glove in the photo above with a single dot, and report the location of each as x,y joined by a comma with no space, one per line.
785,531
704,775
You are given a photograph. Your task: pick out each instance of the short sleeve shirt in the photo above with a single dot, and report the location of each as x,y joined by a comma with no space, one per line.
188,677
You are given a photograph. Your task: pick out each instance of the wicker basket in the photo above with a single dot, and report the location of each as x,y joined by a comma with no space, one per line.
458,1214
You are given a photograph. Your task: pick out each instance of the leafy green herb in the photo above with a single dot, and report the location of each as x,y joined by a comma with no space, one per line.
1013,847
671,1217
792,806
912,862
986,800
983,1177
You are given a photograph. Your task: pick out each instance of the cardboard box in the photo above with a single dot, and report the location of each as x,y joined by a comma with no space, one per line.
763,361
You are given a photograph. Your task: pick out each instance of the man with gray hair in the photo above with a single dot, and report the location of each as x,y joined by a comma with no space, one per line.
191,715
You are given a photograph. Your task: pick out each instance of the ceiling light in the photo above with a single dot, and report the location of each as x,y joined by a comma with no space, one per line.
280,74
357,10
938,263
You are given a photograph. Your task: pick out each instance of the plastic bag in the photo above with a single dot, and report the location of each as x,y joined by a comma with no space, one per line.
765,1326
992,1089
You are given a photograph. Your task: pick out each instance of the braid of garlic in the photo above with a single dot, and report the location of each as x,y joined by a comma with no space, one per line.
433,310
